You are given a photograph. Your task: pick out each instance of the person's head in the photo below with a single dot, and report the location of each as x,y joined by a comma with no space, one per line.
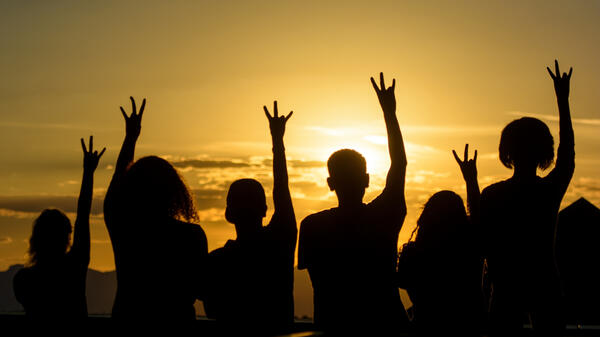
442,218
153,188
526,142
50,237
348,176
246,204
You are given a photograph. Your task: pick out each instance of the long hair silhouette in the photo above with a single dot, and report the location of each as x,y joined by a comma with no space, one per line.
443,218
152,187
50,237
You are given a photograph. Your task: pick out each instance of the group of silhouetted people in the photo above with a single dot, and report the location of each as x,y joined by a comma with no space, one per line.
489,267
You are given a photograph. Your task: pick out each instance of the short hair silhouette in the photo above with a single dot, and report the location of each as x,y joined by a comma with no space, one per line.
346,163
443,216
245,200
526,140
50,237
153,187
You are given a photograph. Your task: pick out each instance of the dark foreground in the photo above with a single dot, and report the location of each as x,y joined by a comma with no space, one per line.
97,325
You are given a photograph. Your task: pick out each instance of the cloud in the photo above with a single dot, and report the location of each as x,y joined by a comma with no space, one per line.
213,215
209,198
454,129
9,213
204,164
586,187
296,163
37,203
4,240
555,118
42,126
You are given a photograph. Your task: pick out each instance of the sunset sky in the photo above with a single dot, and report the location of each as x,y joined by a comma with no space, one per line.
463,70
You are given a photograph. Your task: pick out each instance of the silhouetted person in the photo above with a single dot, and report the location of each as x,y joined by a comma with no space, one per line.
52,286
441,268
350,251
159,254
519,221
251,277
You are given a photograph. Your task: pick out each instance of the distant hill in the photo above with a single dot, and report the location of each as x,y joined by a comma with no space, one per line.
102,286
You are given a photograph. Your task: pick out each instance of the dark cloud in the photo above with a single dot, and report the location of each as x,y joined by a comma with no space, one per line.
37,203
209,198
201,164
297,163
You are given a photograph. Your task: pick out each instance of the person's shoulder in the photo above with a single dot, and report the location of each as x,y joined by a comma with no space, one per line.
192,229
319,218
495,188
228,246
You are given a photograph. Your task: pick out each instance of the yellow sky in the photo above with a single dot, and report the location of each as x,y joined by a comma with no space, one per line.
463,68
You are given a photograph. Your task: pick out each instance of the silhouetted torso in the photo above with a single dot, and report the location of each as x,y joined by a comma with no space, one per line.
55,291
251,280
519,223
159,267
444,284
351,257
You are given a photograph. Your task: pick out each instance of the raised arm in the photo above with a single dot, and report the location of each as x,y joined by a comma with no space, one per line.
468,167
394,188
81,236
565,157
133,126
284,217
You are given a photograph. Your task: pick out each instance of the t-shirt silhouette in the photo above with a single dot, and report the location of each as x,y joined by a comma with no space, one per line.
54,291
251,279
351,256
160,267
519,219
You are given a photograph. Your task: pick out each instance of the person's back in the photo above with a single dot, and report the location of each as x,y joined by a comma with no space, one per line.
519,217
253,282
351,258
251,278
444,285
523,213
159,253
54,291
52,286
351,251
442,268
160,269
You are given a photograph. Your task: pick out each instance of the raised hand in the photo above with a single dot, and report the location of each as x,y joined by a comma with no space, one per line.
386,96
561,82
468,167
276,122
91,157
133,123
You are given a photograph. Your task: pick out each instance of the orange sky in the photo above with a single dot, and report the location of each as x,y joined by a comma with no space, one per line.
464,69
